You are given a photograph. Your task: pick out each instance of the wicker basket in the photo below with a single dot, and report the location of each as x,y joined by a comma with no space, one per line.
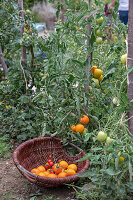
35,152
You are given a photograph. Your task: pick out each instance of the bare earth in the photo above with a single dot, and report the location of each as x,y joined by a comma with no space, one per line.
11,181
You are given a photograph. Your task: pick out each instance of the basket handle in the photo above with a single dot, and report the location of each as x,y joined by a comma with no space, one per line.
27,174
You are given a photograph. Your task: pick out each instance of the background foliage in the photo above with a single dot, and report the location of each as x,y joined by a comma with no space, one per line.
56,96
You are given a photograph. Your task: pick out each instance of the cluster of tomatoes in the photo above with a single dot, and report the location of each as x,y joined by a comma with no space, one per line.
97,73
51,169
80,127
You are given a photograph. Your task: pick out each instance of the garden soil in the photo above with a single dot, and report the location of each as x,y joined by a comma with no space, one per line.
14,186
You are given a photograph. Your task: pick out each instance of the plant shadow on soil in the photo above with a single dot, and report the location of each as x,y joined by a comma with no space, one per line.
14,186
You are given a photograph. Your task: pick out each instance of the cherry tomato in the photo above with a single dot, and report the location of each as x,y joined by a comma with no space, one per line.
50,156
47,166
49,161
51,164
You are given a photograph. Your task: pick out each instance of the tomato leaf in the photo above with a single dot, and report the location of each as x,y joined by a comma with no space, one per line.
87,156
87,137
96,149
111,171
128,71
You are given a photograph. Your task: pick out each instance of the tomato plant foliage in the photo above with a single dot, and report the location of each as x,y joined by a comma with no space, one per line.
46,95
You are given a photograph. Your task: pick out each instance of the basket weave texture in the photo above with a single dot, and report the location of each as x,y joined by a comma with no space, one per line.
35,152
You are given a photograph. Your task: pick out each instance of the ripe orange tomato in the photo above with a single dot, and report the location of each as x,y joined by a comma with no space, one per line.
84,120
41,168
63,164
57,168
93,68
62,175
52,176
35,171
70,172
73,128
98,73
80,128
73,166
46,173
42,174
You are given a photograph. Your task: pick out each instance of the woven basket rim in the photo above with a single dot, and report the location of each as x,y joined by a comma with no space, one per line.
33,177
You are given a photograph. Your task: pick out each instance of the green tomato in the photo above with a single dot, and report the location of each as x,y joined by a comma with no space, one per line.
115,101
28,12
99,40
101,137
109,141
90,89
99,20
96,81
98,32
85,131
124,59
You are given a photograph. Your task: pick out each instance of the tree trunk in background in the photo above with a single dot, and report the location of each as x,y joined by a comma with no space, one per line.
89,56
130,64
23,49
2,61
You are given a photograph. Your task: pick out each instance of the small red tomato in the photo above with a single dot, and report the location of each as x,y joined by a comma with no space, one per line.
50,156
49,161
47,166
51,164
59,161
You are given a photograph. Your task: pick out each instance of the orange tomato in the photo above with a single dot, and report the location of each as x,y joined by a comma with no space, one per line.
42,174
70,172
46,173
98,73
80,128
52,176
93,68
84,120
62,175
73,128
41,168
73,166
57,168
63,164
35,171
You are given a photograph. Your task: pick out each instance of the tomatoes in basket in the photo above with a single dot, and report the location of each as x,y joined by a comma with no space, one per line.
52,176
70,172
62,175
63,164
35,171
72,166
41,168
57,168
47,166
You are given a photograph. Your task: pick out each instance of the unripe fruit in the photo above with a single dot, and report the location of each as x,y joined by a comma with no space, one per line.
99,20
109,141
101,136
124,59
98,32
96,81
115,101
99,40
